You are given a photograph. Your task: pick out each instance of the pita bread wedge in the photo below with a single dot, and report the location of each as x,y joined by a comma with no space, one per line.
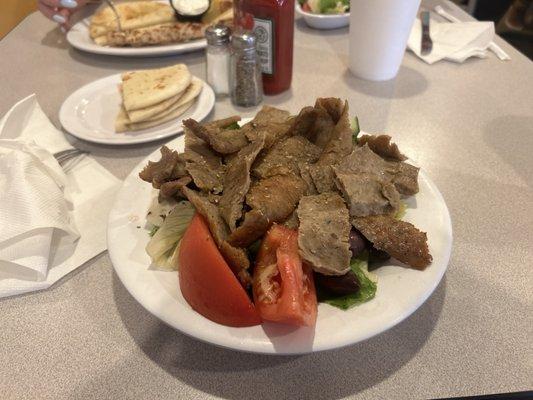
141,89
142,114
167,106
122,121
148,124
132,15
101,40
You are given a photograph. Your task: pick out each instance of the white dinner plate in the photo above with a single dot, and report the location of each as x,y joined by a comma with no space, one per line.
400,290
78,37
90,112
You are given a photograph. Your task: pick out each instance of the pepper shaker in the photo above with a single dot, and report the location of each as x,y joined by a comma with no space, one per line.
246,84
217,52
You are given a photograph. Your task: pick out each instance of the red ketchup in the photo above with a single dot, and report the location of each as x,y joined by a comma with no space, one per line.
273,24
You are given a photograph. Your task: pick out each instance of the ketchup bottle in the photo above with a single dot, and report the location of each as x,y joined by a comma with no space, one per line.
273,24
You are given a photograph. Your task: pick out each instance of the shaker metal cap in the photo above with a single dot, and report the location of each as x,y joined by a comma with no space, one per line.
243,40
217,34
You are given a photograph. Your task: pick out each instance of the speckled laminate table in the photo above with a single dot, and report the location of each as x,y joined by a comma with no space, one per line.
469,126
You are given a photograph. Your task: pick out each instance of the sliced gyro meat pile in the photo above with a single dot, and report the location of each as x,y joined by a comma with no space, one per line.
303,171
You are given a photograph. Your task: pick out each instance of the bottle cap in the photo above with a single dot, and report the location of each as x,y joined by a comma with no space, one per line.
243,40
217,34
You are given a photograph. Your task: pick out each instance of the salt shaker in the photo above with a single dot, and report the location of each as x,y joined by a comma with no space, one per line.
246,84
218,37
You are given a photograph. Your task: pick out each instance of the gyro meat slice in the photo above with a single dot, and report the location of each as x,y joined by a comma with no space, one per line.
237,182
221,139
171,166
172,188
272,199
271,122
254,226
366,194
400,239
333,106
289,153
341,142
236,258
271,115
324,233
401,174
203,164
382,146
406,179
307,178
315,124
339,146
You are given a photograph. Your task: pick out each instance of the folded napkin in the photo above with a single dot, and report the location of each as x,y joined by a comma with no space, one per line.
453,41
52,221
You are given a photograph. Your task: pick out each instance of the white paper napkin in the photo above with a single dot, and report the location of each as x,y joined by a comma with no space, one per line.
453,41
52,221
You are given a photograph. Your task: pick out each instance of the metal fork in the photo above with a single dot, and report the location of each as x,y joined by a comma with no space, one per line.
66,155
427,43
117,17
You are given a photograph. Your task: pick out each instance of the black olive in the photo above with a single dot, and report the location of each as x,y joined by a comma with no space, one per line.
357,243
338,284
376,255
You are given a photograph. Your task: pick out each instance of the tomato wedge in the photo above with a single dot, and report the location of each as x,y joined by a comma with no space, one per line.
207,282
283,287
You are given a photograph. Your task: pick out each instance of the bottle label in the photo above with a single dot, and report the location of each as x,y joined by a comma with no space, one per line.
264,32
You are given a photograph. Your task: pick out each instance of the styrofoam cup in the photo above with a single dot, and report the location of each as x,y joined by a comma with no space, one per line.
379,30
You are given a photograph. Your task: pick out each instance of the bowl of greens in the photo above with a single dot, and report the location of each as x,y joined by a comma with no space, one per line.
324,14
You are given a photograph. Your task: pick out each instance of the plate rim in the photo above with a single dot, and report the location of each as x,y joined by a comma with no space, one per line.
242,346
146,51
209,92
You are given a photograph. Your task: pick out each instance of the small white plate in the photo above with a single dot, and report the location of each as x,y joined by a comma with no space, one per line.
90,112
78,37
324,21
400,290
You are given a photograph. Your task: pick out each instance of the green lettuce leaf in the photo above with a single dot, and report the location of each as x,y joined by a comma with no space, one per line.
164,245
354,124
367,291
334,6
233,126
153,231
401,210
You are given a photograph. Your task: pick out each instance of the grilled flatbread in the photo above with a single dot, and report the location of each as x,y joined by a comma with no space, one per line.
154,35
141,89
216,10
167,106
121,127
132,16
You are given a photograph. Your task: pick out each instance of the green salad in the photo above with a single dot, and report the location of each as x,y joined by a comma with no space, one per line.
325,6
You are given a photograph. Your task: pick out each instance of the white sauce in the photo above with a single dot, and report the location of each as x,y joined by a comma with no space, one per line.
191,7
